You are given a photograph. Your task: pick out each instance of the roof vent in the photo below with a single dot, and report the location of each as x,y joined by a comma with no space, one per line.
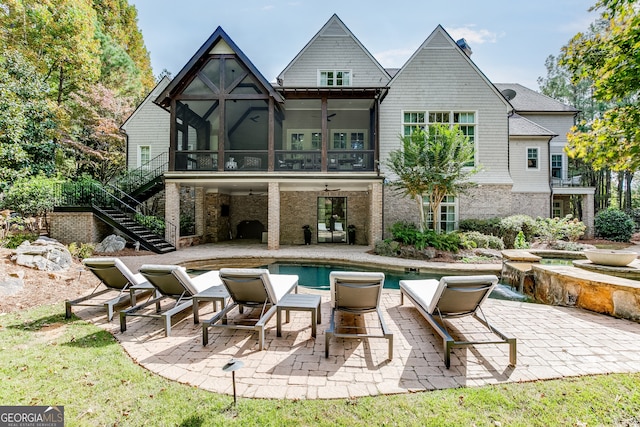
464,46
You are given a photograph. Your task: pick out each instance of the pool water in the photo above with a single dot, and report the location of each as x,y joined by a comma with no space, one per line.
316,276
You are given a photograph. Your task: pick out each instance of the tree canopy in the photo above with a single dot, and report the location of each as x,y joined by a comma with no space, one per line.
609,57
70,73
433,163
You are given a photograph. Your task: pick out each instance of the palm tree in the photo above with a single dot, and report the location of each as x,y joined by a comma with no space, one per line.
433,163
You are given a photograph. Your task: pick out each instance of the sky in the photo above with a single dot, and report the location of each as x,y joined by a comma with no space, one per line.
510,39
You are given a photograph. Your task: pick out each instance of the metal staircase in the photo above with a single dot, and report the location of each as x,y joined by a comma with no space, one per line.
121,211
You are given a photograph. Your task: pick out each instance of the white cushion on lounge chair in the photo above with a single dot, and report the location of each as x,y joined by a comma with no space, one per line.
426,292
193,284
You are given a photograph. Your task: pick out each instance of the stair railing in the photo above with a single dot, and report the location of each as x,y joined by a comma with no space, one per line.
137,178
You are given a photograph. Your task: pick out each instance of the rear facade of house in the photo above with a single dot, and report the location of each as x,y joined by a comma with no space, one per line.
251,159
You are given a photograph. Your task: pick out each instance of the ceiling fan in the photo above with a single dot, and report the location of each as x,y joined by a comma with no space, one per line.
251,193
327,189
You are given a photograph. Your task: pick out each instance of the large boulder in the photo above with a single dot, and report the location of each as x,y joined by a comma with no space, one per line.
44,254
111,243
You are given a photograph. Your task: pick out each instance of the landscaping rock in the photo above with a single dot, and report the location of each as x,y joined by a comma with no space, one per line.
43,254
111,243
11,285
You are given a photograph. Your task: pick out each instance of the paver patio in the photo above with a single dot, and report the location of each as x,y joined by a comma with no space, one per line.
553,342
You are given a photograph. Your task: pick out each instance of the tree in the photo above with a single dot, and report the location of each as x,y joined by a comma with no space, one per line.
433,163
94,137
27,121
610,58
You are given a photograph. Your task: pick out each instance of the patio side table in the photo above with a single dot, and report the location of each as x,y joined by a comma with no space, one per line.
299,302
215,294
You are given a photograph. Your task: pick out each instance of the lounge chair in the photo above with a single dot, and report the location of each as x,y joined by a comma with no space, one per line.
451,297
357,293
117,278
255,288
171,283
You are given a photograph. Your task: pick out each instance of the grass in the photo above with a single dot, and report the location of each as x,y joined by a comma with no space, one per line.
47,360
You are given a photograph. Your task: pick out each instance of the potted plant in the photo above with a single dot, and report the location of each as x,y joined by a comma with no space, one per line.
351,230
306,229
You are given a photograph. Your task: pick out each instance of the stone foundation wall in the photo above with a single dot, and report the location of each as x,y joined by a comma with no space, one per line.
216,226
532,204
79,227
248,208
575,287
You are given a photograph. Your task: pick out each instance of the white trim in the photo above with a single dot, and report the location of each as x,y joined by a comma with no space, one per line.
526,159
140,147
334,71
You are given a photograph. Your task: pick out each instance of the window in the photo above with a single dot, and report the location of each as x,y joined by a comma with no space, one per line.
412,121
466,122
297,141
532,158
334,78
145,155
339,140
448,213
357,140
557,209
556,166
316,140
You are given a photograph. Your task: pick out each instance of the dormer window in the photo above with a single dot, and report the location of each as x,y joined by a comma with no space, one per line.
334,78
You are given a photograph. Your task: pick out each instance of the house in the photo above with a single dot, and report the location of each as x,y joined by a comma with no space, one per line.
248,158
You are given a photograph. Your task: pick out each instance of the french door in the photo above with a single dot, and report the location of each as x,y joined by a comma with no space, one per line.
332,220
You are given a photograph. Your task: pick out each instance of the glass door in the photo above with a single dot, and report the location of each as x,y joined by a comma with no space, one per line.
332,220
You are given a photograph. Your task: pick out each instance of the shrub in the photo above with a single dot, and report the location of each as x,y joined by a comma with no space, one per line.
635,216
521,241
613,224
85,250
568,228
512,225
153,223
483,240
14,239
408,234
489,226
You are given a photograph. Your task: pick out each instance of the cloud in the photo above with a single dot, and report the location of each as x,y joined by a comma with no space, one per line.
394,58
268,7
472,35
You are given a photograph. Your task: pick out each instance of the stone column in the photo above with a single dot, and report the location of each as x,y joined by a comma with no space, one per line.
375,213
172,212
588,215
199,212
273,240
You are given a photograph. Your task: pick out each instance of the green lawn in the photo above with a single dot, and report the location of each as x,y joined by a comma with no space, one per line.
47,360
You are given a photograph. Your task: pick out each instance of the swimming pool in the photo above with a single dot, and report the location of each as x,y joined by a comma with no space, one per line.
316,276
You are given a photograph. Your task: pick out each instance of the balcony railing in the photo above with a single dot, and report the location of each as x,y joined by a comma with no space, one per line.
574,181
285,160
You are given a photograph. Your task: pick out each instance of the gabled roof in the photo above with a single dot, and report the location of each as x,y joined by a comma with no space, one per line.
440,30
182,78
527,100
333,26
520,126
160,86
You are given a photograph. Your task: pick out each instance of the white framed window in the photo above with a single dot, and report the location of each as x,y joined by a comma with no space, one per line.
144,155
334,78
448,213
556,166
466,121
412,120
533,158
557,209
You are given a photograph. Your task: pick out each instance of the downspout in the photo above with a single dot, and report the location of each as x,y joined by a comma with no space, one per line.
550,177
